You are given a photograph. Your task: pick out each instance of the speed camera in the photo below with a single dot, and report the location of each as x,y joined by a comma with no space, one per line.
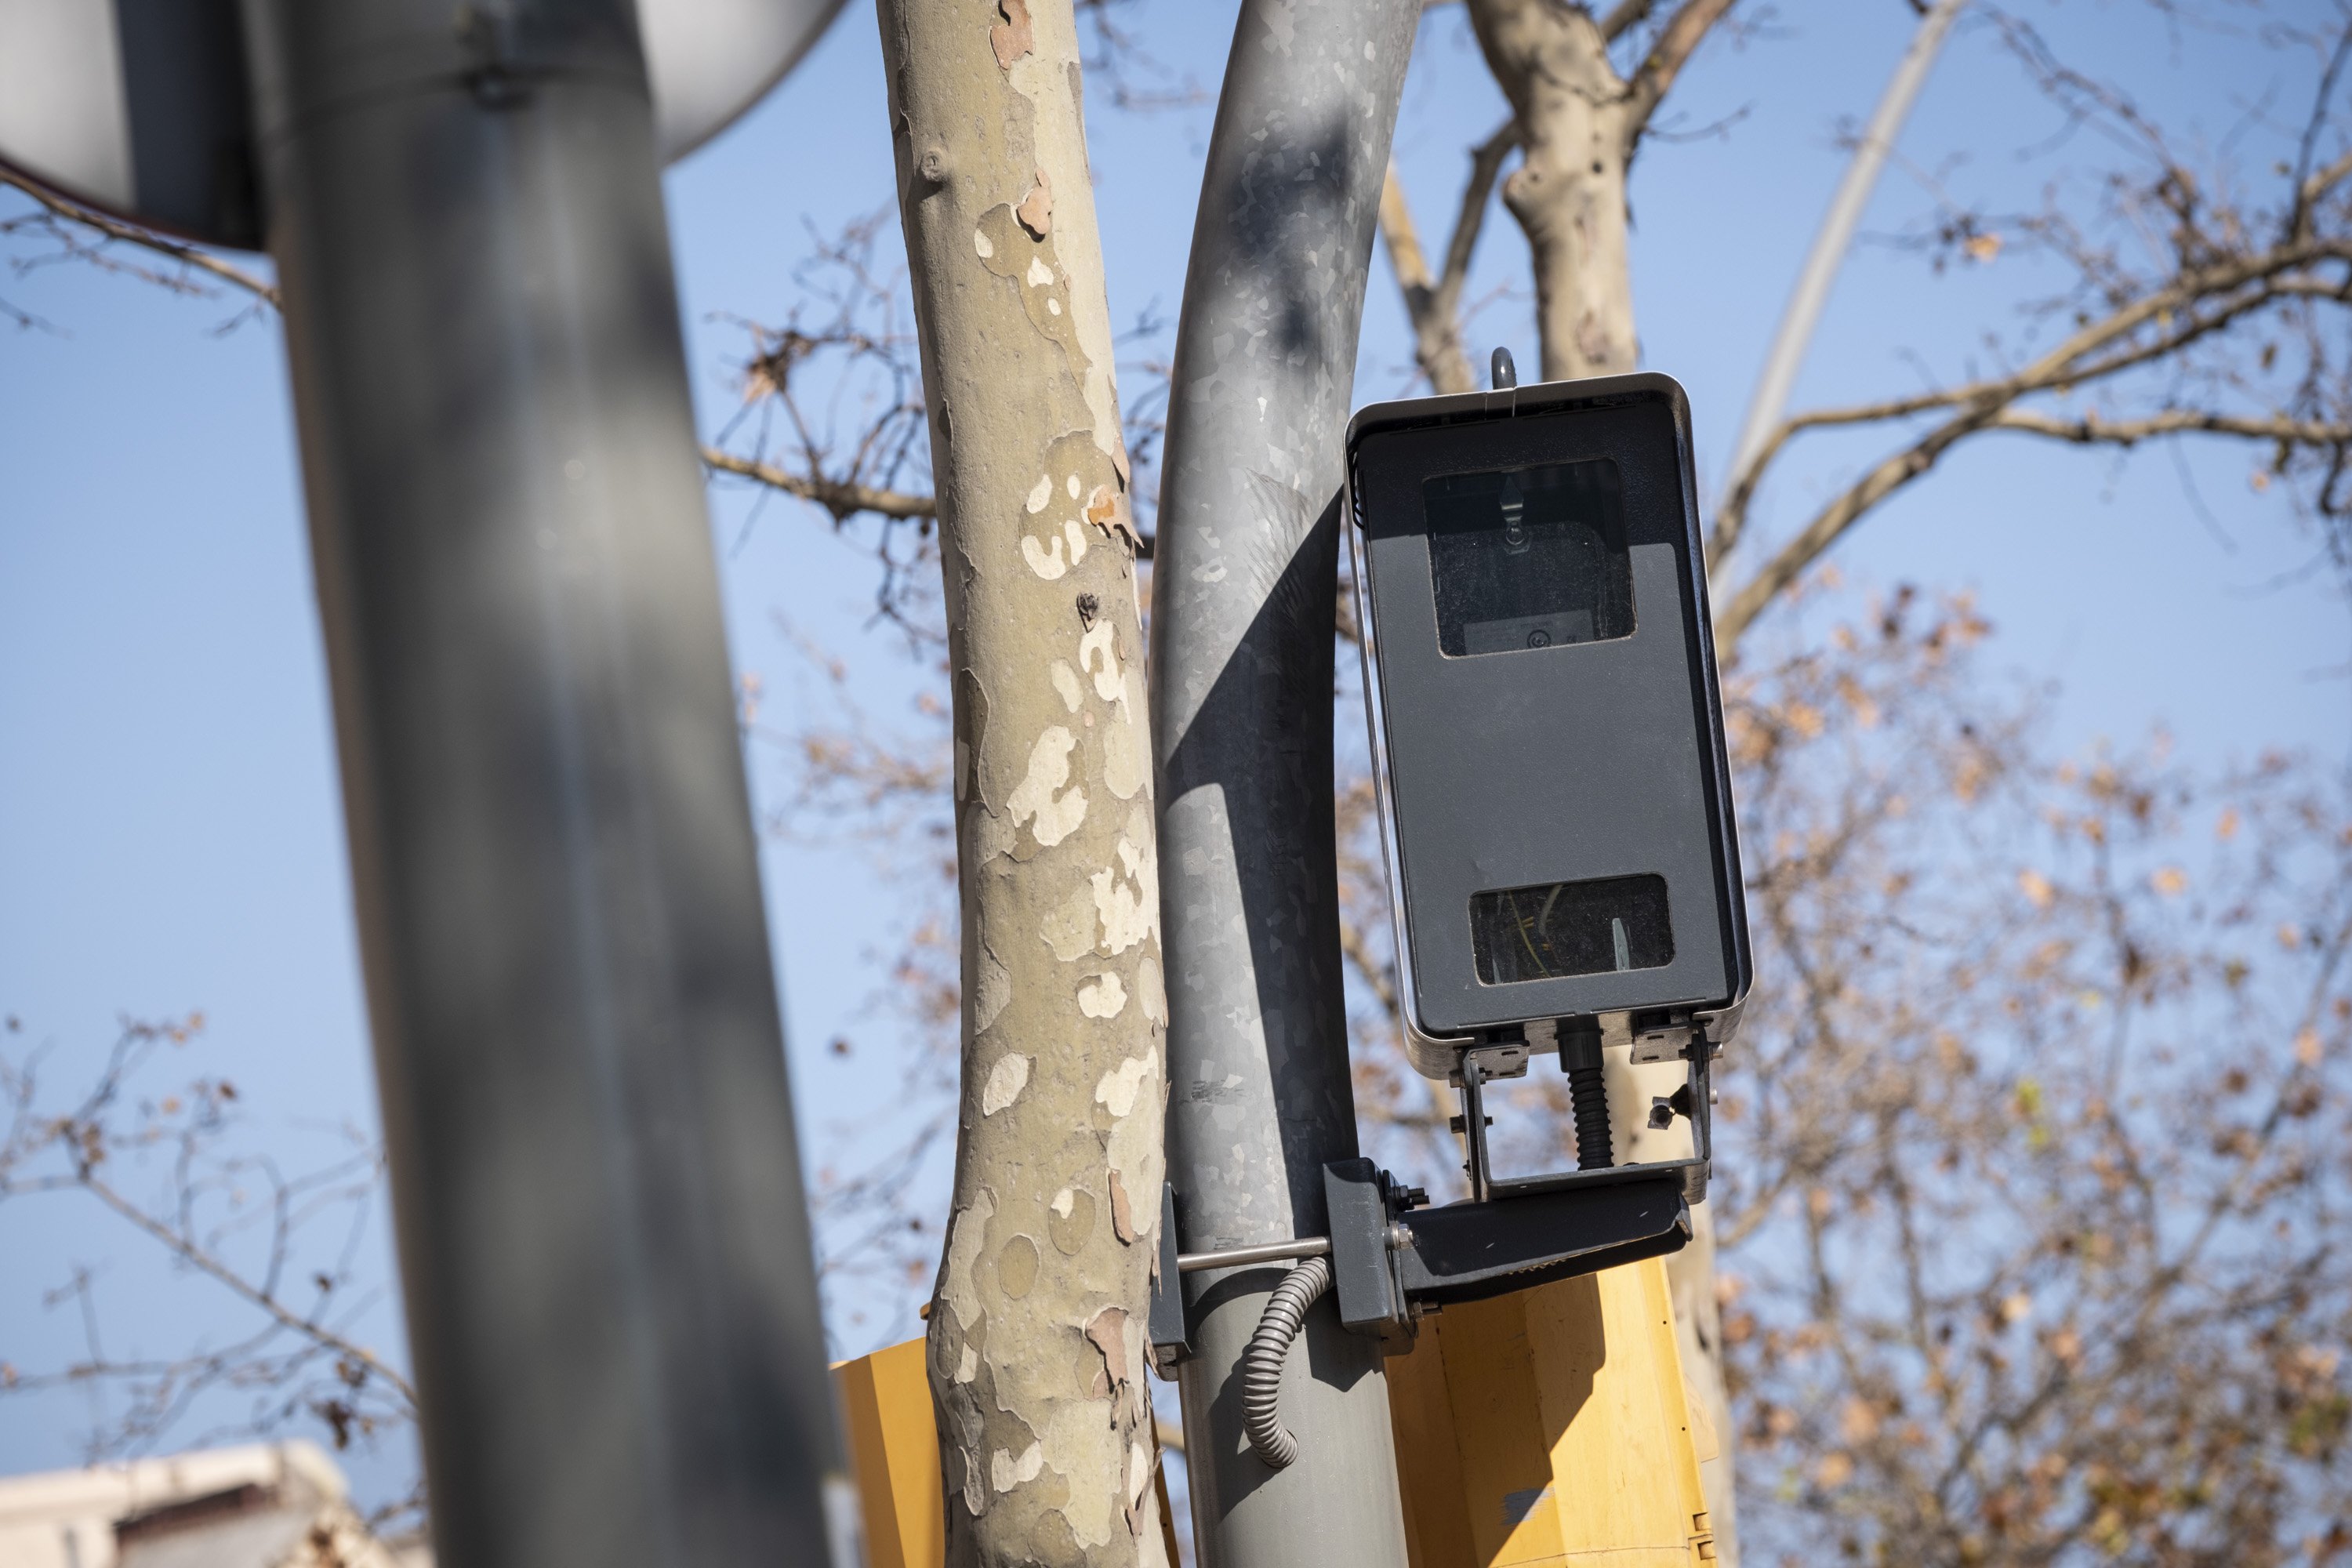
1555,799
1547,731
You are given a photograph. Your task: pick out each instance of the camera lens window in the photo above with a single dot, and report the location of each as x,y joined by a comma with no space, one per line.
1528,558
1559,929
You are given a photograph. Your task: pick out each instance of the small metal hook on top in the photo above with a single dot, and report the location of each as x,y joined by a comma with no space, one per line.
1504,374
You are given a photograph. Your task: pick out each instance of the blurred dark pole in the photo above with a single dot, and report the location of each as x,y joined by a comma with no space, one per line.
604,1248
1242,629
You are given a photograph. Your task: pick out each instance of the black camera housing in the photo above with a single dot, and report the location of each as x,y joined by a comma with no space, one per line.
1546,726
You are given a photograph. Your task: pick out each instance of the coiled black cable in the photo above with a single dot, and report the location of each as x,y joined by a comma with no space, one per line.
1590,1095
1587,1093
1261,1361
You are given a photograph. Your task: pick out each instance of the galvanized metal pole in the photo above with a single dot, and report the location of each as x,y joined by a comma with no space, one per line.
604,1249
1243,607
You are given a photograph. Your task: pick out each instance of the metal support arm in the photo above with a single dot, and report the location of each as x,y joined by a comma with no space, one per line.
1391,1262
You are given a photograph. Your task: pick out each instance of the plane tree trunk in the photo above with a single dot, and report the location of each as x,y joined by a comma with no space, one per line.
1036,1337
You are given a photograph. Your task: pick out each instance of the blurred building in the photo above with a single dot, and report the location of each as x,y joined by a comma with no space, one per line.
265,1506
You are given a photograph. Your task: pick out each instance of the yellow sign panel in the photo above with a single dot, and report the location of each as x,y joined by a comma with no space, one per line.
1550,1428
894,1447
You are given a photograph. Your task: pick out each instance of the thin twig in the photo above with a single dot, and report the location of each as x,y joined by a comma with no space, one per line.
114,228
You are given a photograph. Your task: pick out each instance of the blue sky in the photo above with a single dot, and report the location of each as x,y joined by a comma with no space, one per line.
169,824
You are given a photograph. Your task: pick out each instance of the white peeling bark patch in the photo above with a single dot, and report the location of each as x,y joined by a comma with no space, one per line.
1139,1362
1137,1160
975,1488
1049,78
1127,895
1104,996
1099,655
1008,1472
1138,1514
1006,1080
964,1247
1065,685
1152,989
1127,756
1068,529
1047,561
1056,815
1117,1087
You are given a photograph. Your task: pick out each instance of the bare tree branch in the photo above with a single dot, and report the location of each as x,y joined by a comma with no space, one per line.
1402,240
1830,524
2190,310
2186,344
2327,180
301,1359
1435,305
844,498
1485,163
255,1294
1625,13
2214,297
1656,75
1826,255
114,229
2298,217
2091,430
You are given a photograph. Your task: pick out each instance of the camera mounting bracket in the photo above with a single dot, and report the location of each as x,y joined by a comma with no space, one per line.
1394,1257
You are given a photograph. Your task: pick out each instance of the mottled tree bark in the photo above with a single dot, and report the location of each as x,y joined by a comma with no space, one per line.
1580,122
1037,1325
1568,191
